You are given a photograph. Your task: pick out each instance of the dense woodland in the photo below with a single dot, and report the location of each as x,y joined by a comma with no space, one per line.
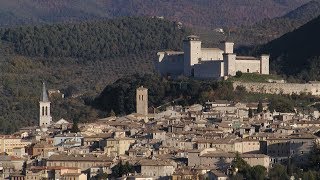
80,76
296,53
197,13
96,40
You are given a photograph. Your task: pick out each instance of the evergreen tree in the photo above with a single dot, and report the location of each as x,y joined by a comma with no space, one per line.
75,127
260,107
250,113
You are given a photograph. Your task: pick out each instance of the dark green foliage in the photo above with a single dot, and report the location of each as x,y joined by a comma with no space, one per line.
250,113
122,169
281,104
260,107
96,40
278,172
79,79
246,171
296,53
314,158
75,128
120,96
238,74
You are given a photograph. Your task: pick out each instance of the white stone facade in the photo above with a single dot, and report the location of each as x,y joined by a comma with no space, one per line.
205,63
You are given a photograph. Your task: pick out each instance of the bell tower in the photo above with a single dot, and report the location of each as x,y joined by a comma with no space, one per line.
44,111
142,101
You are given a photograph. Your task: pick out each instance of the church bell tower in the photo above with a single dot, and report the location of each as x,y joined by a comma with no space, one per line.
44,111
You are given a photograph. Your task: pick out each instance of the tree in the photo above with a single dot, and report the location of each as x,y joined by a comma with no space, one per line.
250,113
278,172
260,107
75,127
257,173
238,74
121,169
241,165
314,157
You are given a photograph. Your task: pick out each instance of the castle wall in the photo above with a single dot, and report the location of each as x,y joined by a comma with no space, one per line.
170,64
253,66
208,69
209,54
280,88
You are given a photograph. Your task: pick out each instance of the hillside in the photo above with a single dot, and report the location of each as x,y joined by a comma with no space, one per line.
297,53
79,64
265,30
197,13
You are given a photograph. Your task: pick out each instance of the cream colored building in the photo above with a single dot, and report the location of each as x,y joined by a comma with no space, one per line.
156,168
8,143
83,162
118,146
217,159
203,63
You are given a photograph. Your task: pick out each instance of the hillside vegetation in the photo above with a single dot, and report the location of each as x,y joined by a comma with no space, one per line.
96,40
80,64
297,53
197,13
265,30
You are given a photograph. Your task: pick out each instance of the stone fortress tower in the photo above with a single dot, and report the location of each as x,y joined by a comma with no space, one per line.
44,111
192,53
142,101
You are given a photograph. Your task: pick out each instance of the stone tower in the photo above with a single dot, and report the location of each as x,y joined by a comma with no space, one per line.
44,111
228,47
229,61
192,53
142,100
264,64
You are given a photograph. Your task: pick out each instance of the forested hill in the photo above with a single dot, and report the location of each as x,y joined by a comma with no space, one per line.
79,59
297,53
198,13
97,39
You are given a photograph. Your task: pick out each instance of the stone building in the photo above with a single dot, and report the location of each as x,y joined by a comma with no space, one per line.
217,159
200,62
142,101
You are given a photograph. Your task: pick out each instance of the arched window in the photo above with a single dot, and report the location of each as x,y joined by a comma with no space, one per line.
42,110
46,110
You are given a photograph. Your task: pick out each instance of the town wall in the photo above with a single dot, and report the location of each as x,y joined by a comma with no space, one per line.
280,88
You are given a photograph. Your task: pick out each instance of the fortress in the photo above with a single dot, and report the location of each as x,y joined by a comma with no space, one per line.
203,63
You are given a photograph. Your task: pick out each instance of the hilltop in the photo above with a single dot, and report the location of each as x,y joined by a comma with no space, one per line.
196,13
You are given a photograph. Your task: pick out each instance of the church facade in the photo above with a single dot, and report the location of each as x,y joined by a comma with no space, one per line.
203,63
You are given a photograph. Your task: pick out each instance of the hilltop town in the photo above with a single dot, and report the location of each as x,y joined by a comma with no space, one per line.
160,90
195,142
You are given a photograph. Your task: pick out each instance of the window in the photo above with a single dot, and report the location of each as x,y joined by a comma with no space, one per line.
46,110
248,70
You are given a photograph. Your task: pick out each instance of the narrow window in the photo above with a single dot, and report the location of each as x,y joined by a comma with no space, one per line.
46,110
248,70
142,97
42,110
